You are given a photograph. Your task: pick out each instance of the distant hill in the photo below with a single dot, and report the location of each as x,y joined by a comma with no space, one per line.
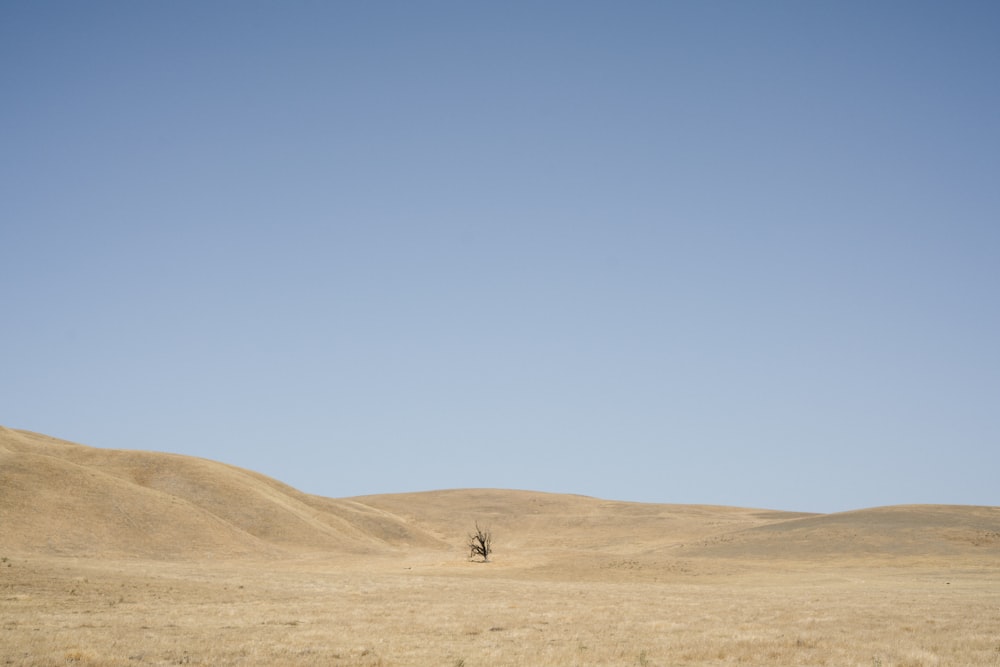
531,519
57,497
898,533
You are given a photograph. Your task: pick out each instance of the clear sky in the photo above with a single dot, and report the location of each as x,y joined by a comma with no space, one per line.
741,253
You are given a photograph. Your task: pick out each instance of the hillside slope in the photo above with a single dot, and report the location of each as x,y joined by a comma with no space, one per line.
61,497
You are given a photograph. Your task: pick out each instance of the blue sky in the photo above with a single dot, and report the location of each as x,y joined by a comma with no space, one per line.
697,252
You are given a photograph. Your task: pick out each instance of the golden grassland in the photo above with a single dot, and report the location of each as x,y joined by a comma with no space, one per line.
132,558
63,611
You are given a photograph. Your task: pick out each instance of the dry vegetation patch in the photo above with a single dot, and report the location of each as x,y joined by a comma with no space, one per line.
352,612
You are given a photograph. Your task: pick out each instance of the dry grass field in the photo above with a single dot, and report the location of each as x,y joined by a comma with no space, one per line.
135,558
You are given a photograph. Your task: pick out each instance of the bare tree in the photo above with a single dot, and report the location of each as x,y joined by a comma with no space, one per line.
481,543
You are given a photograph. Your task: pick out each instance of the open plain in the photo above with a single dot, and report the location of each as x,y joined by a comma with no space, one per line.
137,558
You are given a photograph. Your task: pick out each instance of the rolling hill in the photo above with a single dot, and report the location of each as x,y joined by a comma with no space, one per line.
65,498
61,498
901,533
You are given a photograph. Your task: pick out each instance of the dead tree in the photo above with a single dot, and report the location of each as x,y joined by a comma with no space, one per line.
480,544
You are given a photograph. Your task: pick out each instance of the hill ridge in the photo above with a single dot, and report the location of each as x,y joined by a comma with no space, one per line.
63,498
